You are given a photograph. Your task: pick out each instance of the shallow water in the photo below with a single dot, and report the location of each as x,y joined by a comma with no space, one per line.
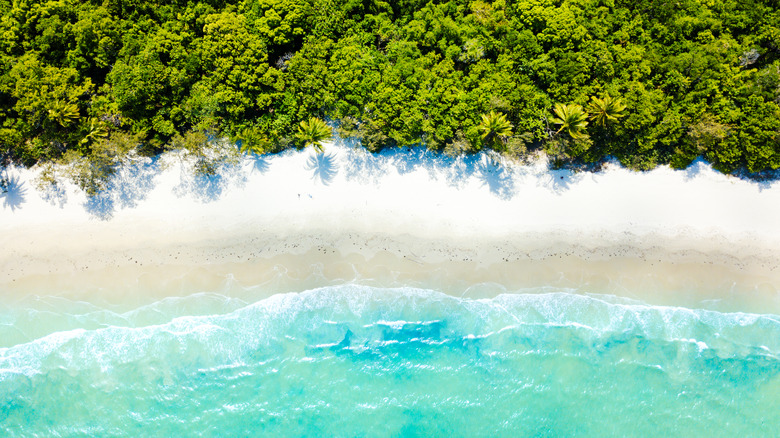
355,360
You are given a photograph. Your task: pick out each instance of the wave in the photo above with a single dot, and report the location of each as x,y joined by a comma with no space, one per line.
363,317
404,355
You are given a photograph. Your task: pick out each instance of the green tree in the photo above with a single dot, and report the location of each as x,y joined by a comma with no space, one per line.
699,77
206,156
572,118
313,132
63,113
280,22
95,132
605,110
41,121
495,129
152,78
92,172
237,83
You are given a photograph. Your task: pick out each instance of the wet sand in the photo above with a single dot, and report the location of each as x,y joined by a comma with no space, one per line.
680,271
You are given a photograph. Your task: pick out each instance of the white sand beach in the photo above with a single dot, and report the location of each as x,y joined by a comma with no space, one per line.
302,219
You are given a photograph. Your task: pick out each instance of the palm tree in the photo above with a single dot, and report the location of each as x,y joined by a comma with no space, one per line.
96,132
313,132
605,110
494,126
572,118
64,113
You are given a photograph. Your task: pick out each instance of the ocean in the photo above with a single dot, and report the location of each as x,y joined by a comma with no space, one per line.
356,360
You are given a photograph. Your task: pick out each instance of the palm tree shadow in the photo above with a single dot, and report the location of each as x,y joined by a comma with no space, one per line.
496,177
259,163
13,193
323,167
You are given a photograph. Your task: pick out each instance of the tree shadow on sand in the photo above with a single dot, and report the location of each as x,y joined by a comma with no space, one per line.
209,188
100,206
436,164
496,176
130,184
561,180
762,180
489,170
361,165
407,160
13,192
258,163
323,167
55,194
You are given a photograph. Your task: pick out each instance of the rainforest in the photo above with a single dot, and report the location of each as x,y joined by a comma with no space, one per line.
647,82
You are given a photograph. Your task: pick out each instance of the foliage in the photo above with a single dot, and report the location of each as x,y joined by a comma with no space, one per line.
206,155
659,82
608,109
495,128
572,119
313,132
93,172
517,146
47,177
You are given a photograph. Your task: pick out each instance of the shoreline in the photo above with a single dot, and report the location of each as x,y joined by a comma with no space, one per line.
661,270
688,238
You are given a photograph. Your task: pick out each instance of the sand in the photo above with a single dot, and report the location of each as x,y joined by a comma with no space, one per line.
473,226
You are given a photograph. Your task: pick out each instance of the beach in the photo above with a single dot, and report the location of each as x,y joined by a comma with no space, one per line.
665,236
390,294
389,219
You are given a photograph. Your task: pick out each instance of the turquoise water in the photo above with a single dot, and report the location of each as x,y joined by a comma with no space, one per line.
353,360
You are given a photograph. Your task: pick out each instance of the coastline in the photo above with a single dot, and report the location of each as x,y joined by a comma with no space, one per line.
656,269
398,219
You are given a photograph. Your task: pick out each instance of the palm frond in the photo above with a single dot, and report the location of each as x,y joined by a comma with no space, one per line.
64,113
495,125
603,111
313,132
96,131
572,118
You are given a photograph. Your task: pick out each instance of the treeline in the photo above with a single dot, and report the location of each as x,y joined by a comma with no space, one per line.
646,81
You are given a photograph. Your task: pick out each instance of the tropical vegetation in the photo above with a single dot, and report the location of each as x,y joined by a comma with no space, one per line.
495,129
313,132
572,118
645,81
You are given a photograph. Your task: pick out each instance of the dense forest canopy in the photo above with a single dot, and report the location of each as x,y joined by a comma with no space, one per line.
646,81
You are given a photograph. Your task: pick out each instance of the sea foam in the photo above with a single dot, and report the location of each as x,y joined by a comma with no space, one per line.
343,360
